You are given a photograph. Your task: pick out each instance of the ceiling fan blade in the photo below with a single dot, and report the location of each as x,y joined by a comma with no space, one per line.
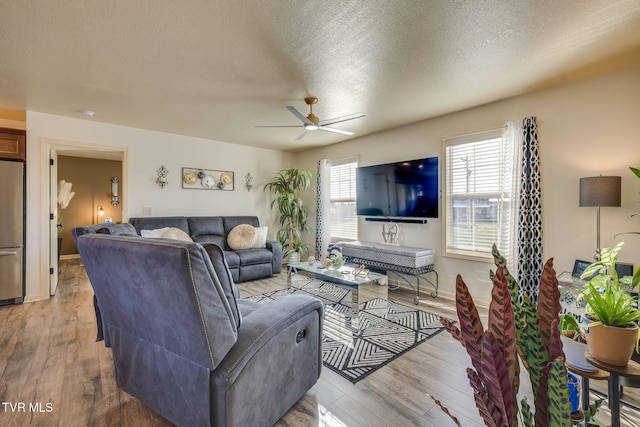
302,134
333,130
299,115
340,119
282,126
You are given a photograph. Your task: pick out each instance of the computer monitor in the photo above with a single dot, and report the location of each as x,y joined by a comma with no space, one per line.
622,268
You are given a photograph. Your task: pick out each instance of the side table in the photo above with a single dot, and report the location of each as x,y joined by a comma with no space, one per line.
631,371
586,376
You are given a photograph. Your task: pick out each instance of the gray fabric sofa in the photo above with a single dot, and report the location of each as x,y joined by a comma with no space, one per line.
244,264
187,346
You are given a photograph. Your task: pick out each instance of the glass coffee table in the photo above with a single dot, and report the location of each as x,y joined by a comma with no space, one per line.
373,285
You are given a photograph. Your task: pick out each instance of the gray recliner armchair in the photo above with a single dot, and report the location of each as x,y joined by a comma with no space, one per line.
187,346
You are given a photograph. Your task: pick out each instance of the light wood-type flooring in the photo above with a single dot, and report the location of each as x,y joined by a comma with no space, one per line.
53,373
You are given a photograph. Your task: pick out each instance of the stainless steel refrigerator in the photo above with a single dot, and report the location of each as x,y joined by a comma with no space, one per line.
12,202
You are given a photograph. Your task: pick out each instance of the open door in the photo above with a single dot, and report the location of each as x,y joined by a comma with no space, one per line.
53,223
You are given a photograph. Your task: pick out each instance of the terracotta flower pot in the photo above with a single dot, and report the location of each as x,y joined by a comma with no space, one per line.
611,344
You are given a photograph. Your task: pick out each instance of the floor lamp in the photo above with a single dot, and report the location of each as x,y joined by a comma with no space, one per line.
598,191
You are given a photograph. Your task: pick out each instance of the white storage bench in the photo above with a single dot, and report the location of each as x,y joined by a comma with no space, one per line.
418,262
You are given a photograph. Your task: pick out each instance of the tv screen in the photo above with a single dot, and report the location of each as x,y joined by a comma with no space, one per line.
402,189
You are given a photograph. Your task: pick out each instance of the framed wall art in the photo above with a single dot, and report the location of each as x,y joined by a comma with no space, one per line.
207,179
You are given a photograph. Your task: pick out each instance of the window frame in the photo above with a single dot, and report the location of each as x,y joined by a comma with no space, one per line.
341,163
504,203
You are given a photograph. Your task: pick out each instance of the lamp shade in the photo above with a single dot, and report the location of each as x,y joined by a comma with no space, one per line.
600,191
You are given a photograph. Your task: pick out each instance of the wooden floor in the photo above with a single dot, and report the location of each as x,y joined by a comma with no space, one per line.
53,373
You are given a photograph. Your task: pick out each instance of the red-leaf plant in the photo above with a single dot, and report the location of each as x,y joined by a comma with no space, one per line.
514,329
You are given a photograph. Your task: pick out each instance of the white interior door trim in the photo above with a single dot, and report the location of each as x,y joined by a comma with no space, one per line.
46,199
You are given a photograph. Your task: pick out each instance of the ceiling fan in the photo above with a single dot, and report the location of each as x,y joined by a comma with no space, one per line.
312,122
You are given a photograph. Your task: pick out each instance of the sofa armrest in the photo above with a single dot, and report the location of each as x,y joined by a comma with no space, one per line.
276,359
262,325
276,261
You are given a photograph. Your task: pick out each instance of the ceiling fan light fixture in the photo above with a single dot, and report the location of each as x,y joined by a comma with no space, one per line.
313,122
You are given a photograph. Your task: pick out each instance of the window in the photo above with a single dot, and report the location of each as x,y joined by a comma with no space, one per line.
480,199
343,220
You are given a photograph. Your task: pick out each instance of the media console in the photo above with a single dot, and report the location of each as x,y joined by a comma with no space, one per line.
418,262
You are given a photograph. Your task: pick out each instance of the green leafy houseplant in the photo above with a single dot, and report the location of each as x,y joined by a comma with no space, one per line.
607,302
634,282
570,328
287,186
612,330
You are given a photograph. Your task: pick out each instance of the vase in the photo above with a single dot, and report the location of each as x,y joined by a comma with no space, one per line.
611,344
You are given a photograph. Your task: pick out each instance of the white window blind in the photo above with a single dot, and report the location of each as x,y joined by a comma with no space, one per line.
343,219
479,190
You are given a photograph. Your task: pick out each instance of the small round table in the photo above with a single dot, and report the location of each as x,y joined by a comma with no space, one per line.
631,371
586,376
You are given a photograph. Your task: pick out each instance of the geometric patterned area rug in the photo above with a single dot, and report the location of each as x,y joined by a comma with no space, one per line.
384,330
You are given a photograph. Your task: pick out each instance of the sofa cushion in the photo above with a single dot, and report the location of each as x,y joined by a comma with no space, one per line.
254,256
216,256
155,233
211,238
124,229
232,258
171,275
176,234
205,225
229,222
261,237
241,236
152,223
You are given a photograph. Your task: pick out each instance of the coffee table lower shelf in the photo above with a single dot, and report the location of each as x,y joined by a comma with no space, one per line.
399,270
374,285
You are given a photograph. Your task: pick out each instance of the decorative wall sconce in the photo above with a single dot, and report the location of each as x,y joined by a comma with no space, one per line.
162,180
100,214
248,179
114,191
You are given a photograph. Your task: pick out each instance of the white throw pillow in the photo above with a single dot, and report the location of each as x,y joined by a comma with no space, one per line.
157,233
241,237
176,234
261,237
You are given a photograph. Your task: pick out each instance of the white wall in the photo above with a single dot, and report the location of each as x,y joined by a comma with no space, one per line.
585,128
146,151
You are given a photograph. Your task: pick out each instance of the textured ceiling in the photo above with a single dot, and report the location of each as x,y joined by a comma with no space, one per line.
215,69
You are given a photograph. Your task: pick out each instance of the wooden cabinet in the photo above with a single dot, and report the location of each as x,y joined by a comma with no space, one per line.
12,144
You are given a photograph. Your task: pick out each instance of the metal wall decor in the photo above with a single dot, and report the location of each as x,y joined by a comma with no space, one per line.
207,179
162,176
248,181
115,201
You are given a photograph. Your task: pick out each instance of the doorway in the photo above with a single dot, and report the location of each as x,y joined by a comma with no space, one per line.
92,153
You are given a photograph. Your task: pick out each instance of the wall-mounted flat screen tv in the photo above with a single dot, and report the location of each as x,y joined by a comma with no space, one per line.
402,189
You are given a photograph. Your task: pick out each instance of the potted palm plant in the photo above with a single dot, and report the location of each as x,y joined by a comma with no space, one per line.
287,186
612,331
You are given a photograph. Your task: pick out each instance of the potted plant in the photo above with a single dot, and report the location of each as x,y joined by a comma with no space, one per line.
634,281
515,329
288,186
574,343
518,329
612,331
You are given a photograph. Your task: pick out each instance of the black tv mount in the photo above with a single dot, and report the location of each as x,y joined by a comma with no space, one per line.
396,219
